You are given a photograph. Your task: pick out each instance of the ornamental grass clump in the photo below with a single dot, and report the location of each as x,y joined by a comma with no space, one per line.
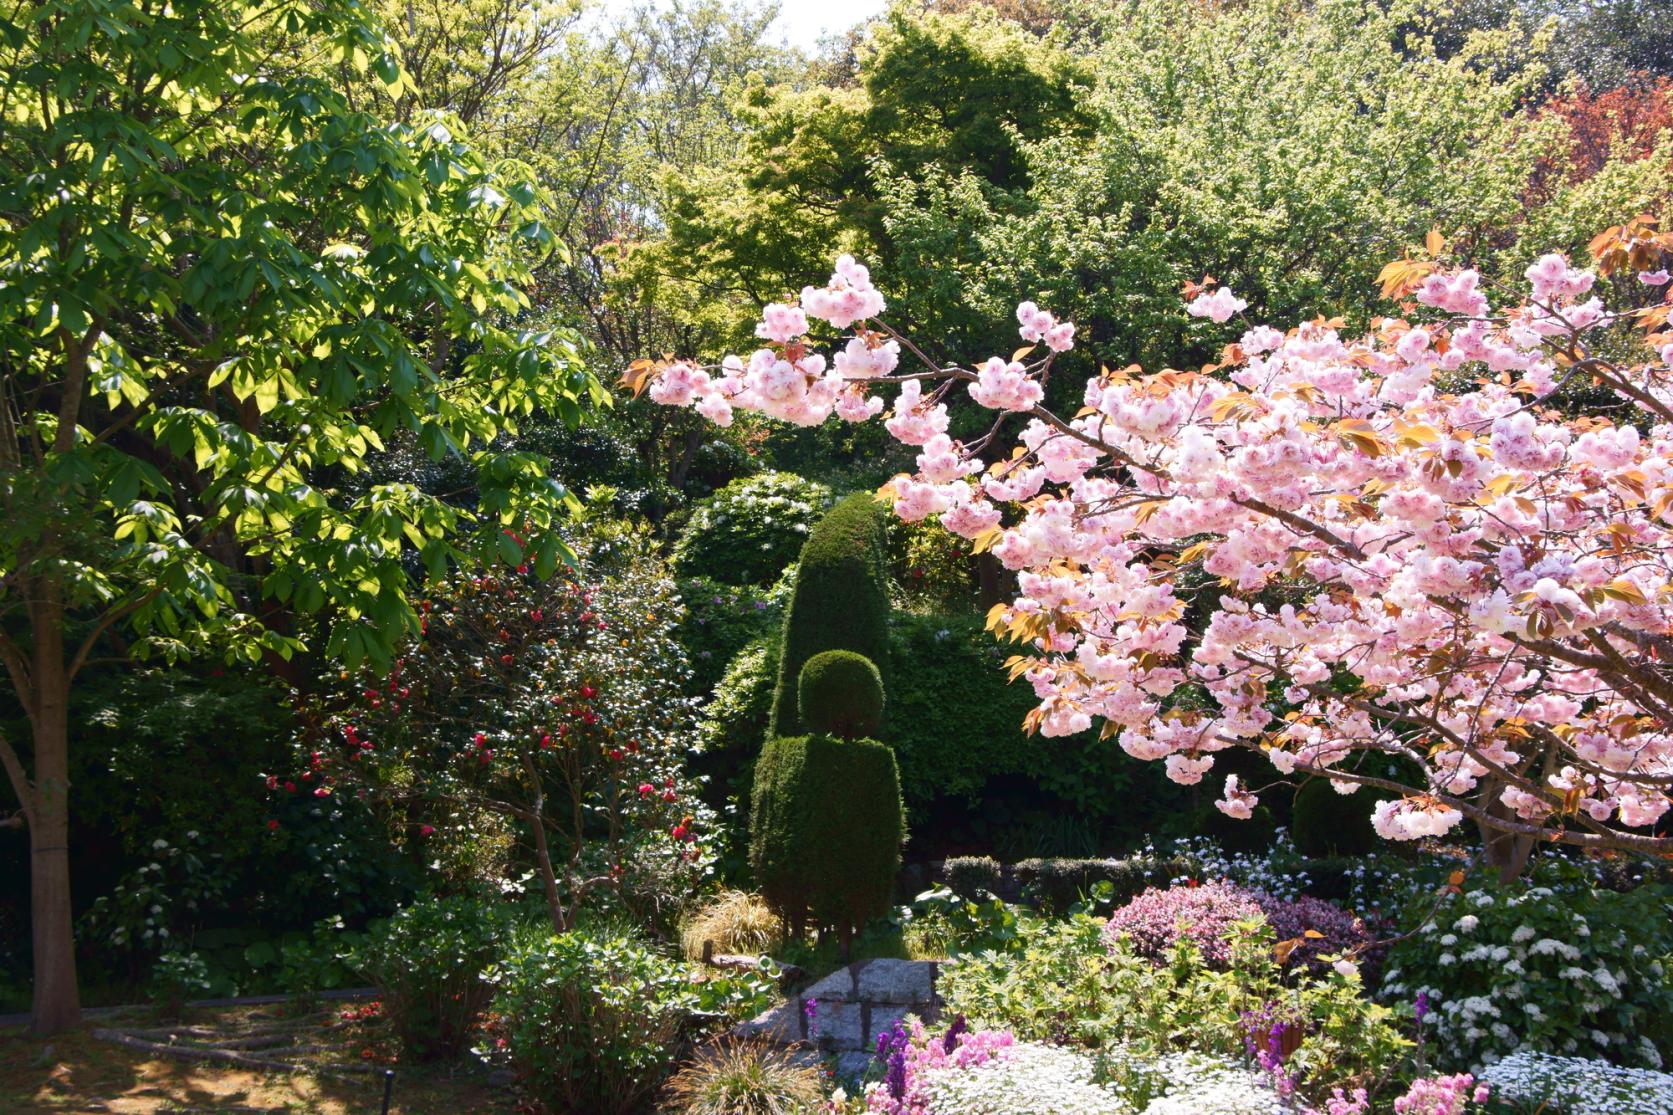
744,1078
735,921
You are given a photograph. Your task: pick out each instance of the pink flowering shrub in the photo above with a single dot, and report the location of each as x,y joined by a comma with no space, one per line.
1474,581
1291,919
910,1055
1441,1095
1206,915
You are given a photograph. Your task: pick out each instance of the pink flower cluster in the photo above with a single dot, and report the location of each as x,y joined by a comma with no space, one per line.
1493,580
1441,1095
926,1054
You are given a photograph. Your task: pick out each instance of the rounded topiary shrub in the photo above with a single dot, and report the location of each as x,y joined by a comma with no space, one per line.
825,830
840,600
1326,823
840,693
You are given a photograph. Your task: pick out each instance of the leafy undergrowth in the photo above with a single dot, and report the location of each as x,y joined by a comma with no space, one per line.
76,1072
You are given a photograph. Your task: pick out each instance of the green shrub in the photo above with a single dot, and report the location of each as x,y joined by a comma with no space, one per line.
1062,982
593,1024
825,830
746,533
840,600
973,876
1326,823
1553,964
1056,884
427,962
720,621
176,978
840,693
735,721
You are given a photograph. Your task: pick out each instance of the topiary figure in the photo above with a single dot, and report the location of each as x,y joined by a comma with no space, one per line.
825,830
840,693
840,601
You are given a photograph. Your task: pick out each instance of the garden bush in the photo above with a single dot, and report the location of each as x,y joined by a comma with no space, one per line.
427,962
1055,884
1208,915
721,620
176,978
746,533
840,694
592,1024
739,1078
1552,965
826,827
840,601
973,876
1060,983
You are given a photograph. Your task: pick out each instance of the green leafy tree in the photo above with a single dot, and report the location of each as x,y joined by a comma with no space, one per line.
222,291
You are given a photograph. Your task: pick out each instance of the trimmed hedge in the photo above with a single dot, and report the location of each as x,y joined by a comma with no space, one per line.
840,601
746,533
841,694
825,830
973,876
1054,885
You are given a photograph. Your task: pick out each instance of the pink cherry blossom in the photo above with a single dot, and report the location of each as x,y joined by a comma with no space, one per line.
1397,511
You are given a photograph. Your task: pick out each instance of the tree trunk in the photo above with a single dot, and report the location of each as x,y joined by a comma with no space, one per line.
57,1003
1508,852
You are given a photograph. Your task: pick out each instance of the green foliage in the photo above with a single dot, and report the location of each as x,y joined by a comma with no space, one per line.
1054,885
176,978
314,293
427,962
932,565
593,1023
721,620
941,923
735,722
973,876
1552,964
1326,823
1062,983
840,693
746,533
970,755
958,92
840,600
825,829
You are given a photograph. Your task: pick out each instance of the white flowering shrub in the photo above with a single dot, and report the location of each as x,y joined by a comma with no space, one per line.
1560,967
1189,1084
1578,1086
1033,1080
746,533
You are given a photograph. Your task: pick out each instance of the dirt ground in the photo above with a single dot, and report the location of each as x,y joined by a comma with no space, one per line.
76,1072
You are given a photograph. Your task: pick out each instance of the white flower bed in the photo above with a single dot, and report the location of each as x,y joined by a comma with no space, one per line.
1031,1080
1577,1086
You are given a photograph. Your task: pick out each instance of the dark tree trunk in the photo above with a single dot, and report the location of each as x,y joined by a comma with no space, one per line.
57,1002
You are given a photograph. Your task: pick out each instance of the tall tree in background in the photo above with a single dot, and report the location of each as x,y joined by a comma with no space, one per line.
224,290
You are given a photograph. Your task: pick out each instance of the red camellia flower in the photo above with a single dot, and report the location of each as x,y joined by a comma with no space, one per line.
480,738
506,659
646,789
290,787
273,825
615,754
669,795
588,692
426,830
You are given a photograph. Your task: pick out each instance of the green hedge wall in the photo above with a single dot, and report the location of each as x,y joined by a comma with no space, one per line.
840,601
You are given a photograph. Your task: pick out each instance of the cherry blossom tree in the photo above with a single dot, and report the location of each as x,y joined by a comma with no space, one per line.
1409,552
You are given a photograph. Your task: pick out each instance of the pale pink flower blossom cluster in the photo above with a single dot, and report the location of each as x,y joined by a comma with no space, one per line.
1493,579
